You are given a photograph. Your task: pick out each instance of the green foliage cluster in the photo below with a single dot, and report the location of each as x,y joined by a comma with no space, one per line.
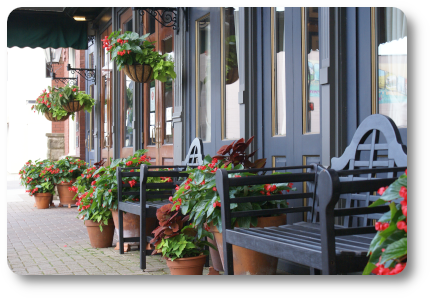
38,176
66,94
198,196
54,100
97,189
185,245
388,249
45,104
129,48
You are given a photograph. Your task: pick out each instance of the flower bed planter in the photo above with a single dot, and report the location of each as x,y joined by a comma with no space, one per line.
43,200
140,73
250,262
100,239
66,196
187,266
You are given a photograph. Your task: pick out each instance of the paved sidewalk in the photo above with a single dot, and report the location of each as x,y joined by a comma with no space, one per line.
55,242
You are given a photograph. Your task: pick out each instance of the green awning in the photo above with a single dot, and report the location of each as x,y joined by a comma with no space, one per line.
45,30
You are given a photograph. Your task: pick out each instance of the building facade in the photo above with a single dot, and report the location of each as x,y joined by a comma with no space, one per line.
298,79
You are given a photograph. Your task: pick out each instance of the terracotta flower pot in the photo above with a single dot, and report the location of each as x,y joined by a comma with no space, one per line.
131,225
99,239
215,256
73,106
187,266
140,73
66,196
249,262
50,117
43,200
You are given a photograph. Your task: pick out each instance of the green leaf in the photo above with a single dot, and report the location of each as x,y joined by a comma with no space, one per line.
395,250
369,268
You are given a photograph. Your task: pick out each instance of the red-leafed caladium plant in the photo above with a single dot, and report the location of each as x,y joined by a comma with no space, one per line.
173,240
389,248
235,154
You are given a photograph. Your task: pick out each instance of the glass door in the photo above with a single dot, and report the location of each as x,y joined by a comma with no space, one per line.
106,103
89,117
158,99
126,97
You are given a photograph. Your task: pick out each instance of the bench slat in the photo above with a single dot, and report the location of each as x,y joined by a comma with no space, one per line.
351,243
341,244
271,179
361,210
270,211
353,231
364,186
295,253
133,208
289,196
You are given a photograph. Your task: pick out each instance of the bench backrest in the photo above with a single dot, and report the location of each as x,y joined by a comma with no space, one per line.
376,144
163,190
225,179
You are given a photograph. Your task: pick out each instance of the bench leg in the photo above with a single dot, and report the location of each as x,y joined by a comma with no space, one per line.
143,240
121,231
228,258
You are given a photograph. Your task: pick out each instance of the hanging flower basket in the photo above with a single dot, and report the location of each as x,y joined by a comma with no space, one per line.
140,73
48,115
73,106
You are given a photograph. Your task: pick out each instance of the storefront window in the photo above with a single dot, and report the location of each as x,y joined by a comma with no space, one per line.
279,112
128,112
230,73
203,78
311,78
392,65
168,96
152,139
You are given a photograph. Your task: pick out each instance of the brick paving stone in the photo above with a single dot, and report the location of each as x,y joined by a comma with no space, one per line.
36,242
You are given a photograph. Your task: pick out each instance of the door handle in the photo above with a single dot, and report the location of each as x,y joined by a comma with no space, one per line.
107,145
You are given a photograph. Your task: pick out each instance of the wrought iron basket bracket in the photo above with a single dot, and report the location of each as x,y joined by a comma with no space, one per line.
166,16
89,74
65,81
91,39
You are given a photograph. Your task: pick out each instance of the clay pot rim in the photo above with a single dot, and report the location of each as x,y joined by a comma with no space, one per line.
91,223
67,183
43,194
186,259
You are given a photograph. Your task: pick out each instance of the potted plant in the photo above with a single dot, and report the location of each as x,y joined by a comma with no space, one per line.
37,177
198,197
72,100
102,185
180,245
68,169
45,104
388,250
138,57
